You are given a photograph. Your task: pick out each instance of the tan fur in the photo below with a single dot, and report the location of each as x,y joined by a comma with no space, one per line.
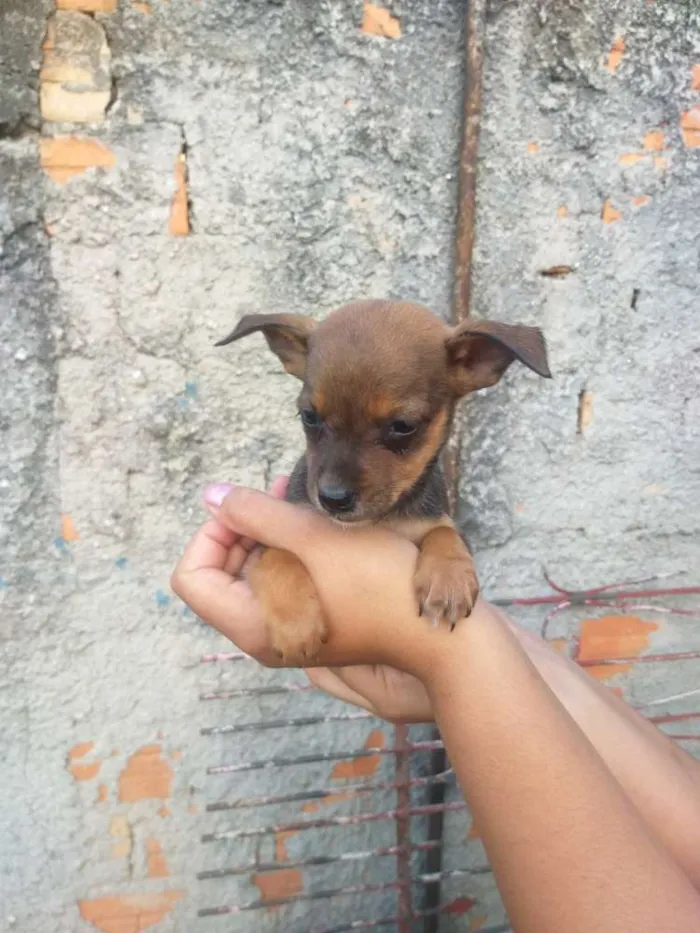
291,609
445,580
364,365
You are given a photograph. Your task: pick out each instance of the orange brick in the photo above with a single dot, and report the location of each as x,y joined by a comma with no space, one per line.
617,50
179,210
128,913
62,157
377,21
157,867
88,6
690,128
631,158
654,140
146,776
610,214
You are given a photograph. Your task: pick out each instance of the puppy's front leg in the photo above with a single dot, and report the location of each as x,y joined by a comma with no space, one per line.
290,604
445,580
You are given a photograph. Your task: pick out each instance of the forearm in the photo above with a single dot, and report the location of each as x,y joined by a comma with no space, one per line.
568,849
660,778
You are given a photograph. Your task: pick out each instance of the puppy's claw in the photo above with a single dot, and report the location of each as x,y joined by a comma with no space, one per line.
446,590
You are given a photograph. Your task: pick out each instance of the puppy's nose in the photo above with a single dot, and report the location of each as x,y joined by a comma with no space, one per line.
336,499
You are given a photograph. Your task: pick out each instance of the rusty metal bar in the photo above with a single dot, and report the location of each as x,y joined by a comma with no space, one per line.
402,770
229,909
314,759
474,37
322,793
257,691
466,213
328,822
318,860
283,723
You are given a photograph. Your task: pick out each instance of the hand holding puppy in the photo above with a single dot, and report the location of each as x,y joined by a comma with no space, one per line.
363,581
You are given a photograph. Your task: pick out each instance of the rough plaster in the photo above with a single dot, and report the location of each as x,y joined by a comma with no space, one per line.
321,166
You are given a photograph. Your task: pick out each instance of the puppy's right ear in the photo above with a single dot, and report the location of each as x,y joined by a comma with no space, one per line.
287,336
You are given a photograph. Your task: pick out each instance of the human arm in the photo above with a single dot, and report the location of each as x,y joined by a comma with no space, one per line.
568,848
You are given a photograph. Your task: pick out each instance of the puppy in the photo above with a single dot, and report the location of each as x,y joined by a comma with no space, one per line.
380,382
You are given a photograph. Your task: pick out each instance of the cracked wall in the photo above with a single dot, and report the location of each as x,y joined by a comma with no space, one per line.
166,166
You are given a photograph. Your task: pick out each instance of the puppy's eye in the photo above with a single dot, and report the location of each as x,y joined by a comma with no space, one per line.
310,419
400,428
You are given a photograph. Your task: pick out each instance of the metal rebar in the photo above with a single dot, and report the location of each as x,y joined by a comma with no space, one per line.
313,759
328,822
323,792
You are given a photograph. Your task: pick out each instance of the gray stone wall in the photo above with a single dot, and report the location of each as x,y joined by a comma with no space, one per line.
166,166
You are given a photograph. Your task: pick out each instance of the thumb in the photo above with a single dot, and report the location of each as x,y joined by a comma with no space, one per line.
265,519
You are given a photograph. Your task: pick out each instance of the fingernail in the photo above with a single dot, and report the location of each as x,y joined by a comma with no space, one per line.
216,493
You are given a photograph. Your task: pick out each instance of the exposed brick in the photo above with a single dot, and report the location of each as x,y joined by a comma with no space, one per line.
377,21
88,6
128,913
690,128
63,157
654,140
617,50
179,210
610,214
146,776
75,74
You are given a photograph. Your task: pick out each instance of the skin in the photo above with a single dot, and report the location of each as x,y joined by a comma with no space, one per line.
589,816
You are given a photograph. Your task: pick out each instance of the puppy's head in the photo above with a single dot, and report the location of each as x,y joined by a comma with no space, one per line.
380,381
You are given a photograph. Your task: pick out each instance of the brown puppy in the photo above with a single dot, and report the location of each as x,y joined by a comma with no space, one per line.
380,383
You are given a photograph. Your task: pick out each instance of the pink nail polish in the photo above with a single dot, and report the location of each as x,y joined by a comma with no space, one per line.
216,493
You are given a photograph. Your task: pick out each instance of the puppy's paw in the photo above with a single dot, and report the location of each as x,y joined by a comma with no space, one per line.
447,588
292,612
297,632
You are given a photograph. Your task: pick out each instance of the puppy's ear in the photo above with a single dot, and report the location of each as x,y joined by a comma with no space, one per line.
287,335
480,352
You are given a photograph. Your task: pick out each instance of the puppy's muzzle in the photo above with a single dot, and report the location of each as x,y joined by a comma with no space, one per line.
336,499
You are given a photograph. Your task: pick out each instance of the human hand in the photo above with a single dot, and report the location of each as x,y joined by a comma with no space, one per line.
363,578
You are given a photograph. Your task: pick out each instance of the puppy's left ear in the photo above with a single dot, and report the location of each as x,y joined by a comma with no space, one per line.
480,352
287,336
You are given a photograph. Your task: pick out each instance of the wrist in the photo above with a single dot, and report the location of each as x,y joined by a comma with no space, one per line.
447,654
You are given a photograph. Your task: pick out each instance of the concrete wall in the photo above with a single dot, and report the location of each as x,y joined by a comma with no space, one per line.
273,155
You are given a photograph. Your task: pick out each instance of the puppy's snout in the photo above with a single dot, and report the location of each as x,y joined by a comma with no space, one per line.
335,498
